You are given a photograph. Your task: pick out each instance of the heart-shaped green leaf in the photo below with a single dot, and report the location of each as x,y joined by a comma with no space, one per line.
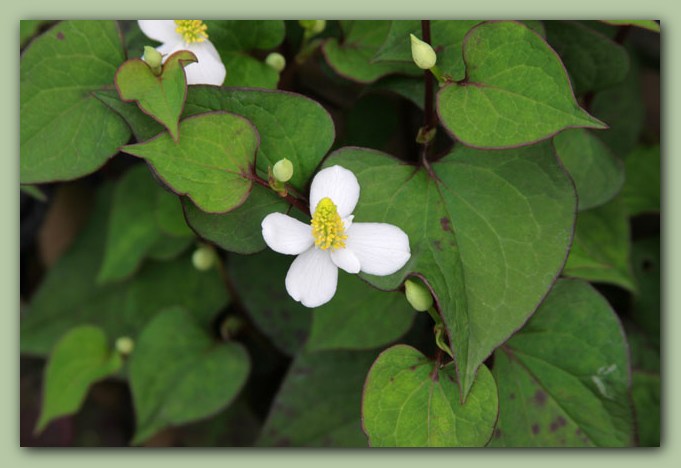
564,378
212,163
179,374
79,359
597,173
69,295
593,61
65,132
318,403
410,402
352,57
163,96
516,90
489,232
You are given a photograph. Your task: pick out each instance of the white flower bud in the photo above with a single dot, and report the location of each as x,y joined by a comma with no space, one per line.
418,296
283,170
153,57
276,61
313,26
423,54
203,258
125,345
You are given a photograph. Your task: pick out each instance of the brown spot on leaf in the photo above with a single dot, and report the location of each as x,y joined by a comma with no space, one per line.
446,224
535,428
540,397
557,424
60,36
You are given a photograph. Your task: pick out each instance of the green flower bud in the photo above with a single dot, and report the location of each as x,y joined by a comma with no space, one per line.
313,26
276,61
283,170
153,57
125,345
203,258
423,54
418,295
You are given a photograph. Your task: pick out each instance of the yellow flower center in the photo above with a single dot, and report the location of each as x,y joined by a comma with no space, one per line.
328,229
192,30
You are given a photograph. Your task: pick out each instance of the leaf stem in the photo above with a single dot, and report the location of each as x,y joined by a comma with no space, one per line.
298,203
429,119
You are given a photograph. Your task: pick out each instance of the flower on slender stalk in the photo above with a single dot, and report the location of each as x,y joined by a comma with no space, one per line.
332,240
191,35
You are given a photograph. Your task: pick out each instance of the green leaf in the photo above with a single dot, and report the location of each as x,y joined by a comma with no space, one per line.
644,351
143,127
132,231
352,58
167,247
641,191
409,401
178,374
239,230
79,359
260,281
212,162
290,125
446,38
69,296
593,61
646,303
489,233
495,106
318,404
162,97
359,317
235,38
30,28
360,122
650,25
645,392
564,378
600,251
170,216
65,132
622,108
597,173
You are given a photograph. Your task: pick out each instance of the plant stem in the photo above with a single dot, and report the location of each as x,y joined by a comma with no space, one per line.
298,203
429,120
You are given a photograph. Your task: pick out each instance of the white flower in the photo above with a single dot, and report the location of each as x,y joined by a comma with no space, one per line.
188,35
332,240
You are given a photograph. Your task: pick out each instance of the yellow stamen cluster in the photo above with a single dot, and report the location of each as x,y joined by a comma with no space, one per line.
192,30
328,229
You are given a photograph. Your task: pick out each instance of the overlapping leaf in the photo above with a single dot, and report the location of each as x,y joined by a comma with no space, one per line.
409,401
489,234
179,374
212,163
642,189
516,90
65,132
564,379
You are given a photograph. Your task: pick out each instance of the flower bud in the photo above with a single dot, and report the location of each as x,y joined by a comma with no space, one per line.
283,170
418,295
125,345
423,54
153,57
203,258
276,61
313,26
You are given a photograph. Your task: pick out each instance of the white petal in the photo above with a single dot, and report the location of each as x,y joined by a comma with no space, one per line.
345,259
286,235
381,248
312,278
160,30
338,184
209,69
